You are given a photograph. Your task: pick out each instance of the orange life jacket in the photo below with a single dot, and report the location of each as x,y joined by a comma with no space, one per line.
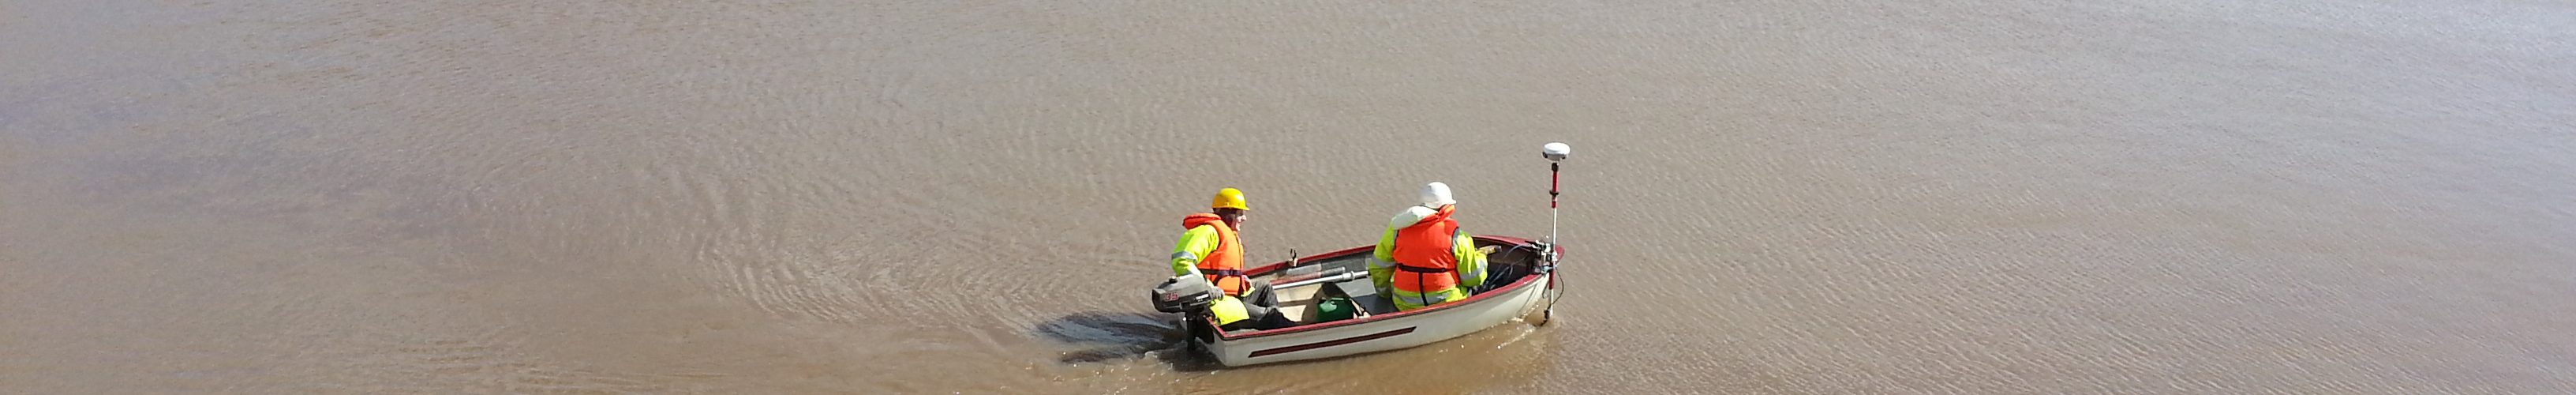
1223,266
1425,258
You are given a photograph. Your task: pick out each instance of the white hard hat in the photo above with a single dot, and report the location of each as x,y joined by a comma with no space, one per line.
1436,194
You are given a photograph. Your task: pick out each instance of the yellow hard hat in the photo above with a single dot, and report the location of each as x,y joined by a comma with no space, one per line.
1228,198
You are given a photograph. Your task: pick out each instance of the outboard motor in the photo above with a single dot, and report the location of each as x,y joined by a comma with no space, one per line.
1185,294
1189,296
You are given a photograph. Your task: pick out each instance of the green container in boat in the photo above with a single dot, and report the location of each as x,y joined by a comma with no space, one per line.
1335,309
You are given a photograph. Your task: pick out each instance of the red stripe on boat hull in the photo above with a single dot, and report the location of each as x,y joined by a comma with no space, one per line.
1330,343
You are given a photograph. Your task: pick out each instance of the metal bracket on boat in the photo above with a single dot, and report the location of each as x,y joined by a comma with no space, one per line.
1547,265
1546,257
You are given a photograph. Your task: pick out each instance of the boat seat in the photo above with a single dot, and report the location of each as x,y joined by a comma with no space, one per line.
1364,294
1297,304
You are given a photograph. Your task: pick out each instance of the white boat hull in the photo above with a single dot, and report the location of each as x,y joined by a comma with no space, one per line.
1381,333
1521,276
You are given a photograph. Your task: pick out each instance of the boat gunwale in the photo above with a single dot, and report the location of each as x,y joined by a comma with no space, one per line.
1524,281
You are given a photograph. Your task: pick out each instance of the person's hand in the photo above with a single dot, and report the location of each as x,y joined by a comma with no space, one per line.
1487,250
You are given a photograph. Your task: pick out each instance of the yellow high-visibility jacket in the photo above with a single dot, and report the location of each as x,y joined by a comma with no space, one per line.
1471,264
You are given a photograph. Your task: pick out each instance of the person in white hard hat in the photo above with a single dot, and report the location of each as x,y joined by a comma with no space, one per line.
1424,259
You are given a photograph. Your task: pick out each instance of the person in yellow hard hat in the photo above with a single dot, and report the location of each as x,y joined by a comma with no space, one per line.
1209,248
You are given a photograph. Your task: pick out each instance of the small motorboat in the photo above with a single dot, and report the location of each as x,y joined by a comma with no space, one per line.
1520,281
1338,311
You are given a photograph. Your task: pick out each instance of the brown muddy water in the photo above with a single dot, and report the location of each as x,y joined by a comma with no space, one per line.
1865,197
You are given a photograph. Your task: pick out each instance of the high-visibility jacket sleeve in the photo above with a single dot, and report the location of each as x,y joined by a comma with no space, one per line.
1228,309
1471,262
1382,270
1195,244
